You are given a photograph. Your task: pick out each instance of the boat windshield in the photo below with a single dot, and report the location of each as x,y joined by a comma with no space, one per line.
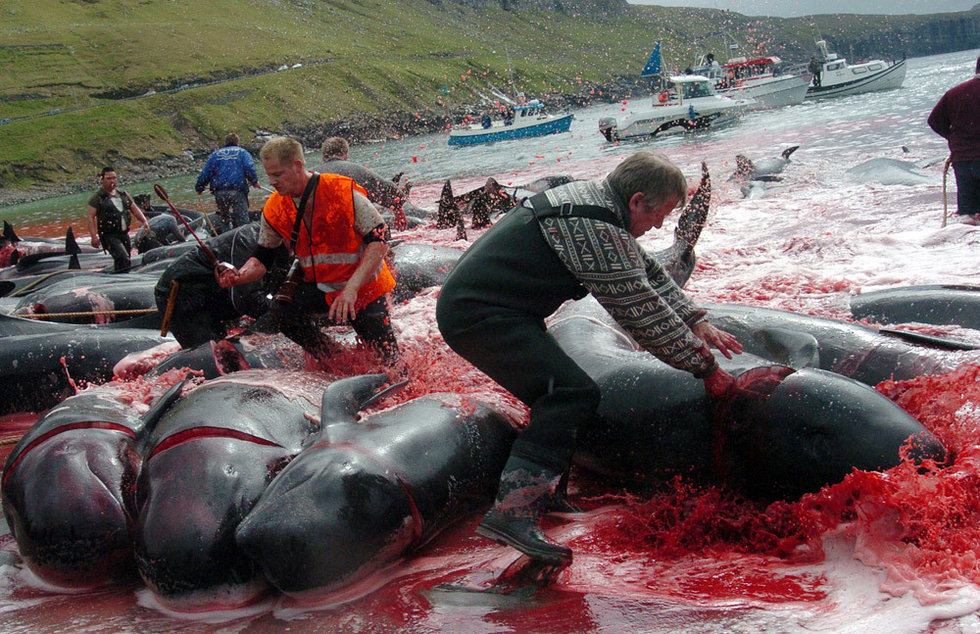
695,89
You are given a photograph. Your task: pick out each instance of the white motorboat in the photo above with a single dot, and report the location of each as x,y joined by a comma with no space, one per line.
837,78
691,103
762,79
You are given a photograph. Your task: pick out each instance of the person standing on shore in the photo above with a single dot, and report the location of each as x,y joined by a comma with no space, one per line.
110,212
956,118
229,171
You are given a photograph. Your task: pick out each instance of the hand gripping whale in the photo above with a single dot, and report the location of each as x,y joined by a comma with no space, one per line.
365,494
655,422
69,487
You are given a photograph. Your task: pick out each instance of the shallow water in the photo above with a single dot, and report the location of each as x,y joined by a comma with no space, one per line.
894,552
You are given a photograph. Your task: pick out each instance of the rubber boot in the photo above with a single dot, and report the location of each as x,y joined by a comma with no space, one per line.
526,489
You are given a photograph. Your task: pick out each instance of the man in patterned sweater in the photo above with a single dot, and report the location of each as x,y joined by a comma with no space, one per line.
570,241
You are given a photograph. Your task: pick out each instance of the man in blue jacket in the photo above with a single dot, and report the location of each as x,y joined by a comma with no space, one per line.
229,171
956,118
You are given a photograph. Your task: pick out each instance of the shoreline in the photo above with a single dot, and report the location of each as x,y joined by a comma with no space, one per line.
358,128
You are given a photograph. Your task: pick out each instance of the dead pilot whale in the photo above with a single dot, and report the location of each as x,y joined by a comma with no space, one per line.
69,488
365,494
208,461
655,422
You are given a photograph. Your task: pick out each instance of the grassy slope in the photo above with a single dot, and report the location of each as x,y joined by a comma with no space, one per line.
356,56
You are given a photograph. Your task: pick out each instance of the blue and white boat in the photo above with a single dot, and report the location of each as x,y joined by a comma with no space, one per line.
528,120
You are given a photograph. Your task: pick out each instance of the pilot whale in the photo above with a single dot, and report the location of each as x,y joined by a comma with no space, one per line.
207,462
69,487
364,494
943,304
655,422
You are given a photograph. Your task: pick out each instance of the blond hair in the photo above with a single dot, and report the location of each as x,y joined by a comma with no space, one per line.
283,149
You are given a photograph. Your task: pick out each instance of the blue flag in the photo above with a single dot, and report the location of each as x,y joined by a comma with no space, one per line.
653,64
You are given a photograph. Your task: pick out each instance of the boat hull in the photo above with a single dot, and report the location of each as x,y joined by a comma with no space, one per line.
775,93
503,133
887,79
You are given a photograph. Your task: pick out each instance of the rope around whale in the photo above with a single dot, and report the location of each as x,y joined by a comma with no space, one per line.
94,313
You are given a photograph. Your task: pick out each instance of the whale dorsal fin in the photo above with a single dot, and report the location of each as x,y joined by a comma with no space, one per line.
71,246
8,233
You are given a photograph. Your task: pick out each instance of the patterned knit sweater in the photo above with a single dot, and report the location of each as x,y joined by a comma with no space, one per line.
625,279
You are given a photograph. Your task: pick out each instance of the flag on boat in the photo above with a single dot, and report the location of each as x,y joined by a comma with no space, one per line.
653,64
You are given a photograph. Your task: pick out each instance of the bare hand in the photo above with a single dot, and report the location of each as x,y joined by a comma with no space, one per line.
226,275
342,308
96,242
726,343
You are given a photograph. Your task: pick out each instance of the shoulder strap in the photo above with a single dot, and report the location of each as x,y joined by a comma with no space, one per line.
301,212
541,208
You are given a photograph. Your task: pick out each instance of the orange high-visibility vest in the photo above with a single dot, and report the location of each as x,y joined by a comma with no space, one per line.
329,251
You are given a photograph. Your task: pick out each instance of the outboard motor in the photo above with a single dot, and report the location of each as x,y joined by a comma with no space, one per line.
608,128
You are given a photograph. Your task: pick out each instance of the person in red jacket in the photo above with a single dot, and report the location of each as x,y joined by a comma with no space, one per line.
338,238
956,118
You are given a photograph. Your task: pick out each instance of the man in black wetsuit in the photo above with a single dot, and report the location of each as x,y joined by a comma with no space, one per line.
577,239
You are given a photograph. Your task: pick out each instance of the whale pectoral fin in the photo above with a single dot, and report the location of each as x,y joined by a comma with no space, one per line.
760,382
790,347
931,341
344,398
523,577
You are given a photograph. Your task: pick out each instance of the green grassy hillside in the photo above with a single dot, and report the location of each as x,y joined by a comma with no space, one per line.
87,82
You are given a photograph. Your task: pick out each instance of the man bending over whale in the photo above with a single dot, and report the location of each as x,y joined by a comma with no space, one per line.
563,244
338,238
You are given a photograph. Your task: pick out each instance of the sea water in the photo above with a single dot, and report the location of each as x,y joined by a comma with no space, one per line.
893,552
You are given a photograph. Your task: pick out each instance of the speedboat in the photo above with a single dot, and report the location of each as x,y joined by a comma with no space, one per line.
838,78
521,121
692,103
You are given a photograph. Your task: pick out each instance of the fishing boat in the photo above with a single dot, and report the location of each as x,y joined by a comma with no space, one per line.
837,78
519,121
761,78
690,103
